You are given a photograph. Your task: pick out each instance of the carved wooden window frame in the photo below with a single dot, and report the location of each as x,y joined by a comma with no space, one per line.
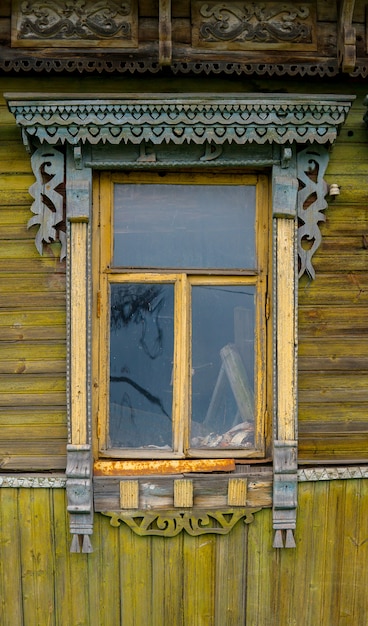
288,135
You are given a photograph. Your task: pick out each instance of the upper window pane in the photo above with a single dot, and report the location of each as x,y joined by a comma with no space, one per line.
184,226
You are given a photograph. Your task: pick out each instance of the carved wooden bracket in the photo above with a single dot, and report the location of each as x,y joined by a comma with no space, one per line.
49,202
311,166
346,36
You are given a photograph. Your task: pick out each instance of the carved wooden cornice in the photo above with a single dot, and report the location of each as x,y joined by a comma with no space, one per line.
238,118
202,36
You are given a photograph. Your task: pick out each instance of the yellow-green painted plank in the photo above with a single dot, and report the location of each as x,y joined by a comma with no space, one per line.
37,556
304,537
32,384
199,600
104,573
350,545
27,366
11,605
231,566
261,572
135,578
63,564
26,417
34,351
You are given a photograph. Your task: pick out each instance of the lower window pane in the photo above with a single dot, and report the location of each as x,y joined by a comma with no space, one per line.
141,363
222,366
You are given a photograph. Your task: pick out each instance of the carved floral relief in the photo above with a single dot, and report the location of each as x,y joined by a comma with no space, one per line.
81,23
248,25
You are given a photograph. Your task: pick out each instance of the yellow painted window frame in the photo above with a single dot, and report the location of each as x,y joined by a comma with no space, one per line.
104,275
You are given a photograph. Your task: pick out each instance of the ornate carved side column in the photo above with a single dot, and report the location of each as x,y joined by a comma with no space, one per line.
79,450
285,189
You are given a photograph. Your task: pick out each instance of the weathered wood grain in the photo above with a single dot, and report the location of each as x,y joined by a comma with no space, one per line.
37,560
230,600
11,604
28,416
333,416
34,460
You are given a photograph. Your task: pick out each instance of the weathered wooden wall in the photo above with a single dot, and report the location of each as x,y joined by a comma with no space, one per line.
187,581
333,309
333,312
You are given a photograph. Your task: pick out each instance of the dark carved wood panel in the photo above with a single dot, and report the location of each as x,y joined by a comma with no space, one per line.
56,24
238,25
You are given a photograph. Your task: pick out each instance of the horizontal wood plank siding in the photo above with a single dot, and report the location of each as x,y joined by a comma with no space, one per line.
333,309
33,429
333,312
186,580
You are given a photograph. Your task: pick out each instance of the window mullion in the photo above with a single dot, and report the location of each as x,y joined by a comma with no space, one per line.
181,401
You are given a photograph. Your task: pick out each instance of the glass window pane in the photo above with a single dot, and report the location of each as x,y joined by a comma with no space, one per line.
184,226
141,362
222,366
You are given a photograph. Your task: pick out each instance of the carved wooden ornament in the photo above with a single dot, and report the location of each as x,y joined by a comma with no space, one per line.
251,26
172,523
167,131
51,23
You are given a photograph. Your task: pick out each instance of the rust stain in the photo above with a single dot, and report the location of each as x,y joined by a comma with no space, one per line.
144,468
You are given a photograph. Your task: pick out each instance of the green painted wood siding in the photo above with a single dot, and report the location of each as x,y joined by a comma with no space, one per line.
333,309
234,580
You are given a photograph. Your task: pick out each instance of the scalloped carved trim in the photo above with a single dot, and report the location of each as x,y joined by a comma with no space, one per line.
89,65
171,523
190,119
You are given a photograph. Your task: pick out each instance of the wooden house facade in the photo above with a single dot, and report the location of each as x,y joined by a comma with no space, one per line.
184,312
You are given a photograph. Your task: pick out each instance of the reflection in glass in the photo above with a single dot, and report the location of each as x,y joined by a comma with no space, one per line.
222,366
141,361
184,226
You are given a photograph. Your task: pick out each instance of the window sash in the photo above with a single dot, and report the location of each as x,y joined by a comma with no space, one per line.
183,282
